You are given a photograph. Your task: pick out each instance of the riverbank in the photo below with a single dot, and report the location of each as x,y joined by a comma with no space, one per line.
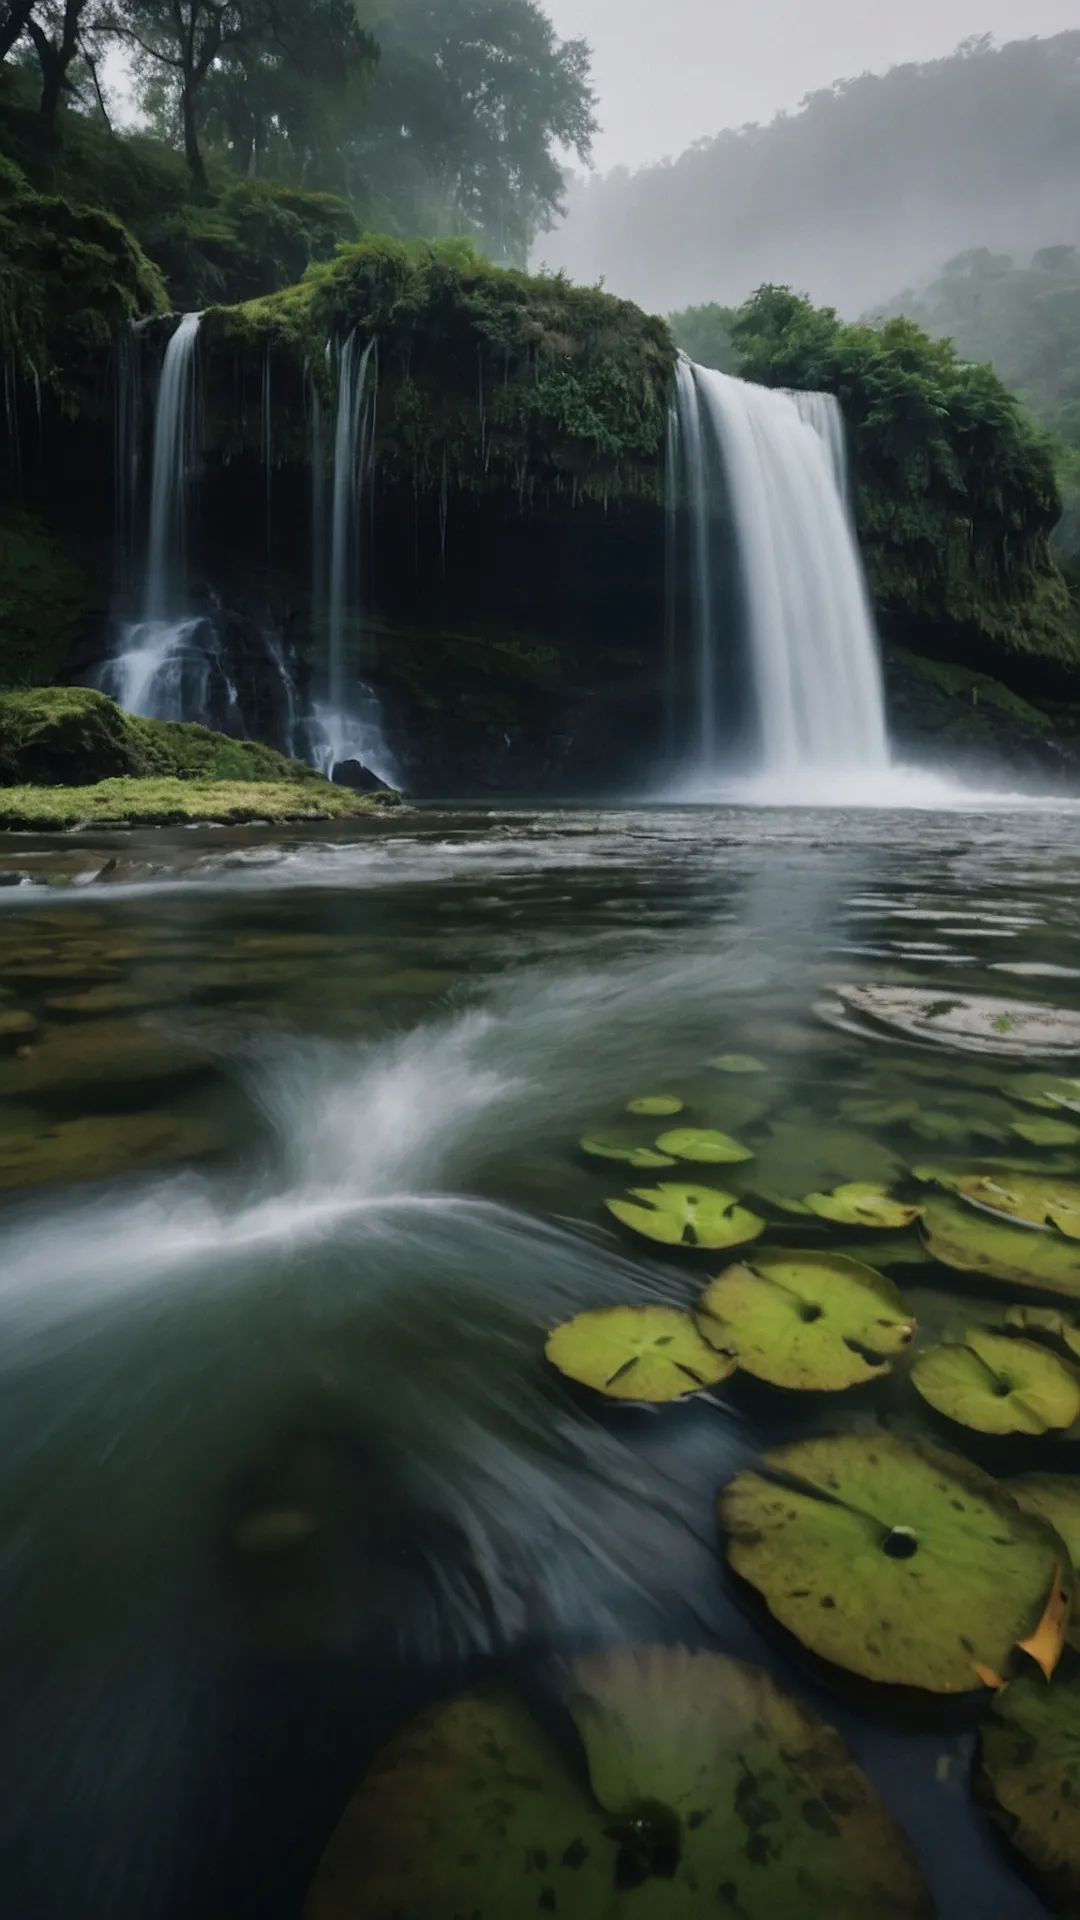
175,802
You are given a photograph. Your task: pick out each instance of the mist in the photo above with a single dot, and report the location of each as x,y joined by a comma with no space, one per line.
870,187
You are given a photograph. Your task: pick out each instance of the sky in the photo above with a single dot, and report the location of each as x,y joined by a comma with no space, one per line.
670,71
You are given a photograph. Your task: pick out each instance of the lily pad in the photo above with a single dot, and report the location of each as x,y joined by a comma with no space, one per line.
1044,1131
654,1105
1045,1320
862,1204
1038,1199
1049,1091
1029,1774
998,1385
699,1773
1055,1497
903,1563
637,1353
682,1216
738,1063
815,1321
974,1242
617,1146
976,1023
704,1145
801,1156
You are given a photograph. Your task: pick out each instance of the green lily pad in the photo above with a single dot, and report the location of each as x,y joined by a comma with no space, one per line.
976,1023
903,1563
815,1321
1049,1091
738,1063
1045,1320
704,1145
862,1204
637,1353
1038,1199
617,1146
699,1773
680,1216
998,1385
1028,1772
975,1242
1055,1497
654,1105
801,1156
973,1116
1043,1131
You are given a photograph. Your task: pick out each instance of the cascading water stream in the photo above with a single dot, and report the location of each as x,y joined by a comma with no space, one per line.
764,475
347,724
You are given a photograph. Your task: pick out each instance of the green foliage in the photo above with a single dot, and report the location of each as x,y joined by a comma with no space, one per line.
705,334
1025,320
41,597
957,494
486,377
74,736
70,278
162,802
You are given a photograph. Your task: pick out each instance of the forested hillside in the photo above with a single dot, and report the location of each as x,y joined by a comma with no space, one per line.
418,116
872,185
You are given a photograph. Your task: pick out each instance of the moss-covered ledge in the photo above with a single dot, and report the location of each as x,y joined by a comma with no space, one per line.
487,379
173,802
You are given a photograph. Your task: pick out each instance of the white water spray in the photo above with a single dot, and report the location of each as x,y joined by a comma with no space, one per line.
811,645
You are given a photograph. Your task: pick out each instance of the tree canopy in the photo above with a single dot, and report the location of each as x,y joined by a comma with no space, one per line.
437,116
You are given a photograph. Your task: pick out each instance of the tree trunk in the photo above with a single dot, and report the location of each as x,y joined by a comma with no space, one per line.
14,18
196,164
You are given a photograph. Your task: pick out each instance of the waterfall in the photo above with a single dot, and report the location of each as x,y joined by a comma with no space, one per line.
173,462
347,723
763,476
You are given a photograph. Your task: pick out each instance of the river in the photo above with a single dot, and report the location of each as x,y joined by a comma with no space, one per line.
331,1085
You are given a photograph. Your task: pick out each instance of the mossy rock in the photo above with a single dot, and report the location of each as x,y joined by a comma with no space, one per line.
42,595
99,1062
902,1563
674,1772
650,1353
812,1321
183,802
75,736
1028,1773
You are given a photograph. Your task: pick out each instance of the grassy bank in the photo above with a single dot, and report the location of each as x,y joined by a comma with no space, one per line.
172,802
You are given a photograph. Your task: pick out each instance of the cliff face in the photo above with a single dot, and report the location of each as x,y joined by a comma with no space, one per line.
511,536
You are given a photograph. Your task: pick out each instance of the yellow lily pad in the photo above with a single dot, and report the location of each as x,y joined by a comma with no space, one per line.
812,1321
651,1353
655,1105
902,1563
617,1146
974,1242
1044,1131
998,1385
738,1063
687,1216
704,1145
1038,1199
862,1204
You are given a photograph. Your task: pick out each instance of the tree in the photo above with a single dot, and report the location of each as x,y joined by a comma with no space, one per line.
185,38
277,104
60,31
14,15
473,102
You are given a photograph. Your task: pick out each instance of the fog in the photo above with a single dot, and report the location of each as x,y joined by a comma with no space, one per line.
851,196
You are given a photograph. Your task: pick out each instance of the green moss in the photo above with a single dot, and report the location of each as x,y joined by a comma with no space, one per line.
170,802
75,736
487,378
70,278
41,597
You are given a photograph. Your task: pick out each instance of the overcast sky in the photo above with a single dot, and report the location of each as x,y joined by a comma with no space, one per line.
669,71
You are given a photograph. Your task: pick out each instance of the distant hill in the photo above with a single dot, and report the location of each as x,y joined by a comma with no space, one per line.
875,183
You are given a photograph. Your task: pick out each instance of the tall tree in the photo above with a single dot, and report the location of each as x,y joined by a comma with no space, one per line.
14,15
61,33
182,39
